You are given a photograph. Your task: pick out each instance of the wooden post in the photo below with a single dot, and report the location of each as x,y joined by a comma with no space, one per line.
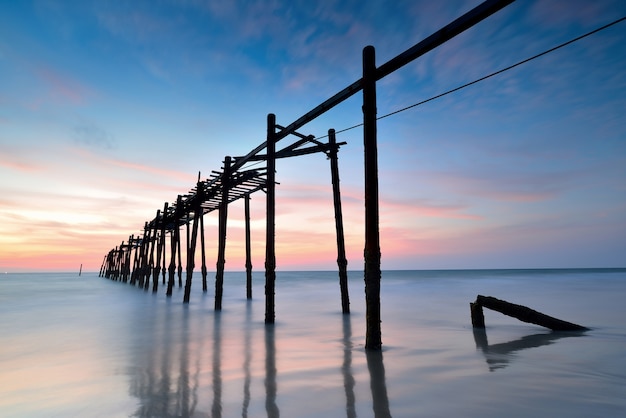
520,312
270,229
104,260
153,239
372,238
200,200
164,266
191,245
180,259
143,256
204,269
164,238
127,261
342,263
156,270
174,247
221,245
171,270
119,262
248,248
136,262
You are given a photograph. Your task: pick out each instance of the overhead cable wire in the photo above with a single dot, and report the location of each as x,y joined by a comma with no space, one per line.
510,67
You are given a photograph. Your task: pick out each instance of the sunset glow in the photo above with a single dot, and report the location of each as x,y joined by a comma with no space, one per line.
107,111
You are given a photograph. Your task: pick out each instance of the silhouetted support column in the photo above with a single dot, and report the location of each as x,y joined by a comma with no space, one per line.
270,229
127,258
156,268
171,270
164,239
164,244
372,237
143,256
102,266
204,270
153,239
221,245
136,265
109,263
342,263
119,262
191,245
180,261
248,249
174,248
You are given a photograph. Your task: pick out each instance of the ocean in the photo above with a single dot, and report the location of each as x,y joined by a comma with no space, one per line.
90,347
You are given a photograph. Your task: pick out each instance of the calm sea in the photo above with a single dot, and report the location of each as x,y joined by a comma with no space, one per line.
89,347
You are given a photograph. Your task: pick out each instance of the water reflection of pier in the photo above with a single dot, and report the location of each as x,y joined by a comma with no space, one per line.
184,369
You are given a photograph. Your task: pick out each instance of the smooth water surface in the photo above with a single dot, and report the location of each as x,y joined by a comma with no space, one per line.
90,347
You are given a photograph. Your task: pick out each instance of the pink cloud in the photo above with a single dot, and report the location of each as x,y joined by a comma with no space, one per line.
14,159
63,88
20,166
154,170
420,208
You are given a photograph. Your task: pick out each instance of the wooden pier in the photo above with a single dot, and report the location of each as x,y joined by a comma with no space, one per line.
142,259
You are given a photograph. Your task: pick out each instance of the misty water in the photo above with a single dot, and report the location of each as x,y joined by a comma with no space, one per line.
90,347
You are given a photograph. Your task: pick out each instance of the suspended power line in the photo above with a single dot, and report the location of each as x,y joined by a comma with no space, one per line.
510,67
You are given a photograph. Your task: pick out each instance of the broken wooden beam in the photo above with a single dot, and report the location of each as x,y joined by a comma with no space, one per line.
520,312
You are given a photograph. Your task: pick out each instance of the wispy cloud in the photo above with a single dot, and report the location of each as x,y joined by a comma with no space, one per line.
89,134
62,87
17,159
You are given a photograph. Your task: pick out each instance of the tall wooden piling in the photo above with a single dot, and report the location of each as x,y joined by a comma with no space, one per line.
372,237
128,258
136,261
191,241
104,260
270,228
180,260
221,245
153,238
156,268
164,239
143,256
248,247
203,249
342,262
171,270
174,246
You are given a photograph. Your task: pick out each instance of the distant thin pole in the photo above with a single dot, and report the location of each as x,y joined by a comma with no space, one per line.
80,271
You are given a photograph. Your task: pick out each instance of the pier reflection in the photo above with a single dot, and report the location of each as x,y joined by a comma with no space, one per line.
165,379
376,369
216,408
270,373
247,359
346,367
188,363
498,356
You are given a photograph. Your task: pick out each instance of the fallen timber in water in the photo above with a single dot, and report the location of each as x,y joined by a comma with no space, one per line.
520,312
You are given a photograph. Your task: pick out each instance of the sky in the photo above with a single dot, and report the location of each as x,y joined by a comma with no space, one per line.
109,109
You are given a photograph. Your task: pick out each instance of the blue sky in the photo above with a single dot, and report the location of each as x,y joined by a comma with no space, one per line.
110,108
